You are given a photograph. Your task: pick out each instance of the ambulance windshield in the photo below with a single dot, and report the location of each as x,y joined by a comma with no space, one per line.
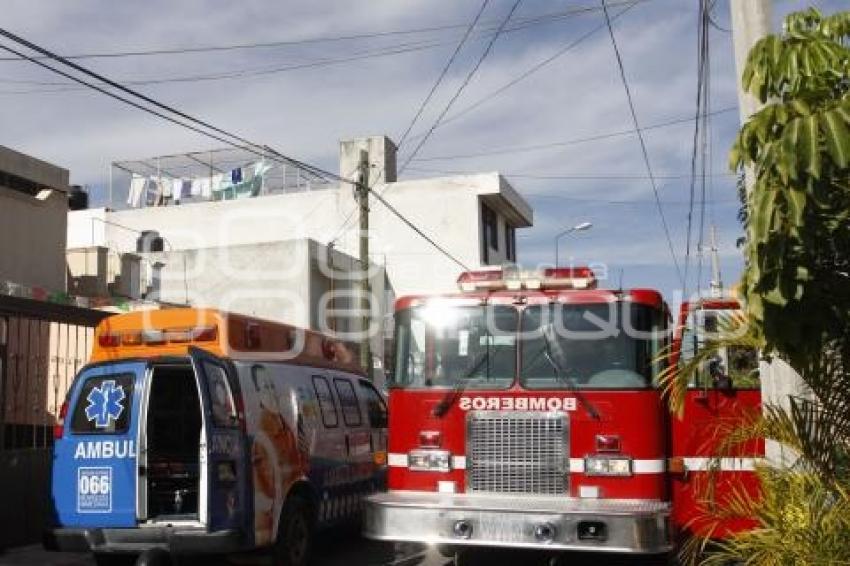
595,346
445,345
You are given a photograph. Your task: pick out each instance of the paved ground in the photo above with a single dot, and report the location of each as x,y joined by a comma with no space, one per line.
349,549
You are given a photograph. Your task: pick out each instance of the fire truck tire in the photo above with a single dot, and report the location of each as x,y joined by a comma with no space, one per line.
295,533
446,550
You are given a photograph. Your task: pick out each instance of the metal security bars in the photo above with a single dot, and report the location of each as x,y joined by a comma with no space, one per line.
42,346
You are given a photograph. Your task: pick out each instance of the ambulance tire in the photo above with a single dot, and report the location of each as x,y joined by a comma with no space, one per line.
154,557
294,534
110,559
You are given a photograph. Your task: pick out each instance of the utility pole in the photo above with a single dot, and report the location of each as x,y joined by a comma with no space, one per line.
751,21
362,195
716,280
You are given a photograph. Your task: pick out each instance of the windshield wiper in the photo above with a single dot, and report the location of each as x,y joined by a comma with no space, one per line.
441,408
564,378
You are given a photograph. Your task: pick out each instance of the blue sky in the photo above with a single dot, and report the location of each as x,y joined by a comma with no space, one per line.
304,112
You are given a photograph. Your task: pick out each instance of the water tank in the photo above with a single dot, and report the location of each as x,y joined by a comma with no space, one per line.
78,198
149,241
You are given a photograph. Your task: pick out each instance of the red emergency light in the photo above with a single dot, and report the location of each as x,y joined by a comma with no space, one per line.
516,279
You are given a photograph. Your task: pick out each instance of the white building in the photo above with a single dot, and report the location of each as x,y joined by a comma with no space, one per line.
236,253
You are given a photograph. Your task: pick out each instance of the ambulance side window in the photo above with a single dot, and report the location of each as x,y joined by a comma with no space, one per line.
221,397
326,401
375,405
348,400
103,405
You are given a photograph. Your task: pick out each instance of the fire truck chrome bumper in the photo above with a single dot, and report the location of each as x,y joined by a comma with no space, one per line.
627,526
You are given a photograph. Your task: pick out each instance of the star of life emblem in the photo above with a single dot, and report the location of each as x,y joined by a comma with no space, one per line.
105,404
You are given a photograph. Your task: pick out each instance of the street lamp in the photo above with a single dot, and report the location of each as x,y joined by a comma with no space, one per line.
577,228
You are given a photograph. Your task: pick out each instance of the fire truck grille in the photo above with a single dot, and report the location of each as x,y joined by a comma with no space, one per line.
511,452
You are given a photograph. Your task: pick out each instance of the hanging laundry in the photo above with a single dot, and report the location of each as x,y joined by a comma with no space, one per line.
153,193
186,190
177,189
167,187
261,167
195,189
205,187
236,175
137,187
217,181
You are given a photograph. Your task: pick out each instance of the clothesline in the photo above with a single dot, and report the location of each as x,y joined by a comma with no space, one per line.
163,189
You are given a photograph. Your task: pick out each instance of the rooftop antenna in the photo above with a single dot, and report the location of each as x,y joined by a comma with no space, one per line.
622,271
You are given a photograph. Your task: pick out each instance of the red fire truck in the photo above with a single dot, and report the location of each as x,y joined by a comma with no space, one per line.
524,412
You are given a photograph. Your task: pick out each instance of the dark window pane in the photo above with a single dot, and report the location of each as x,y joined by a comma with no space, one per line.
104,405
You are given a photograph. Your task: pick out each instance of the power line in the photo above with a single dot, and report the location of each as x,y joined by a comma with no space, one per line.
542,18
534,68
403,48
699,126
427,238
462,86
590,177
644,151
424,103
575,141
261,150
444,72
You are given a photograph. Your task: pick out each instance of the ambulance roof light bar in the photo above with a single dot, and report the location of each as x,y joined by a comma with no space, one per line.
512,279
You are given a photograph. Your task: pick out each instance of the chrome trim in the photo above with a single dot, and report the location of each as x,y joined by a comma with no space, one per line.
631,526
528,452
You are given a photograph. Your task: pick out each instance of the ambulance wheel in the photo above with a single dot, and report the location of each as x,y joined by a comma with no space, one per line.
154,557
111,559
294,534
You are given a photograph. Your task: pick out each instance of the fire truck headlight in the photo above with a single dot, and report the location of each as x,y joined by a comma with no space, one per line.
429,460
607,466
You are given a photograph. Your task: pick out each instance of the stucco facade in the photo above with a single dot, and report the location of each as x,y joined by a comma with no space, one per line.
33,219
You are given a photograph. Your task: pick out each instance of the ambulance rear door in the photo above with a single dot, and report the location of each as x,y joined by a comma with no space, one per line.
94,464
223,453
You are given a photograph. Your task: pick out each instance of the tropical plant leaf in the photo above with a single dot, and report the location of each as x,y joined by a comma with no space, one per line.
837,137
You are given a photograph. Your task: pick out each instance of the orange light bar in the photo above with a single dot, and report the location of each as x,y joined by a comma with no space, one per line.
158,337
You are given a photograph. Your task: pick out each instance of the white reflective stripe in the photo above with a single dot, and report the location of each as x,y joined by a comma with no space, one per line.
397,460
400,461
649,466
638,466
723,464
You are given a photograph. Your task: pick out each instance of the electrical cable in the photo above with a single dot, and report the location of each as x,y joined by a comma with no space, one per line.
552,16
699,124
533,69
644,151
424,139
576,141
250,146
403,48
427,238
443,73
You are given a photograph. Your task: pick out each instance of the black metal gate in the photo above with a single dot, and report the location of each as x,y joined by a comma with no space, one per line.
42,345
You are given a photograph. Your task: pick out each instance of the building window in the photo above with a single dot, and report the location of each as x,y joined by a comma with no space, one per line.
489,232
510,243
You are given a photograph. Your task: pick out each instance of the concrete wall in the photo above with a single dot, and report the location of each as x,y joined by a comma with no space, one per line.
33,231
447,209
285,281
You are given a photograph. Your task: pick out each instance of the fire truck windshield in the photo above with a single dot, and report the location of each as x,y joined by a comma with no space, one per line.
596,346
443,345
